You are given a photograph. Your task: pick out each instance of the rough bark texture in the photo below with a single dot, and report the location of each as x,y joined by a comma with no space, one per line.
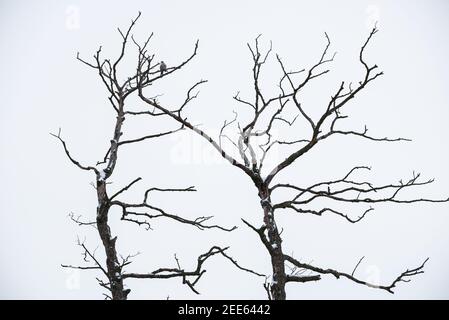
112,263
113,267
277,257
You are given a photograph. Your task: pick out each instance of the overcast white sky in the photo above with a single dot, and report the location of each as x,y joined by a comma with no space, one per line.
43,88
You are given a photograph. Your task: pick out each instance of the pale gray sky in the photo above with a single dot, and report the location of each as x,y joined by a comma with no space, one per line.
43,88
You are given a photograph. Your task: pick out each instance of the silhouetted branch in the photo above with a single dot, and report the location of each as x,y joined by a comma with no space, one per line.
132,216
75,162
78,221
86,254
363,190
125,188
151,136
190,278
303,279
403,277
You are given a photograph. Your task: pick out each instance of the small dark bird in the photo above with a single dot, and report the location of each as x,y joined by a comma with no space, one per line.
163,67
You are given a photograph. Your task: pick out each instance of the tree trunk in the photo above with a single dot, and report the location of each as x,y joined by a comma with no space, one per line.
277,287
112,264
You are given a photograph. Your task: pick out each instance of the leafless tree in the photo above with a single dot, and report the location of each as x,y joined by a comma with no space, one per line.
142,212
250,156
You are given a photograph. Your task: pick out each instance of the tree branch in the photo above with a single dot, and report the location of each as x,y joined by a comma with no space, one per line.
403,277
75,162
178,272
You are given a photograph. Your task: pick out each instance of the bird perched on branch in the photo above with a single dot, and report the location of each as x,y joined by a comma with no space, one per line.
163,67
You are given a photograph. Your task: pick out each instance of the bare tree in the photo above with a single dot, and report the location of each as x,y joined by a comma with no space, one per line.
250,156
142,212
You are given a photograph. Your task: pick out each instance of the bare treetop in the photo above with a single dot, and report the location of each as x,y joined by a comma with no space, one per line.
140,213
251,154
